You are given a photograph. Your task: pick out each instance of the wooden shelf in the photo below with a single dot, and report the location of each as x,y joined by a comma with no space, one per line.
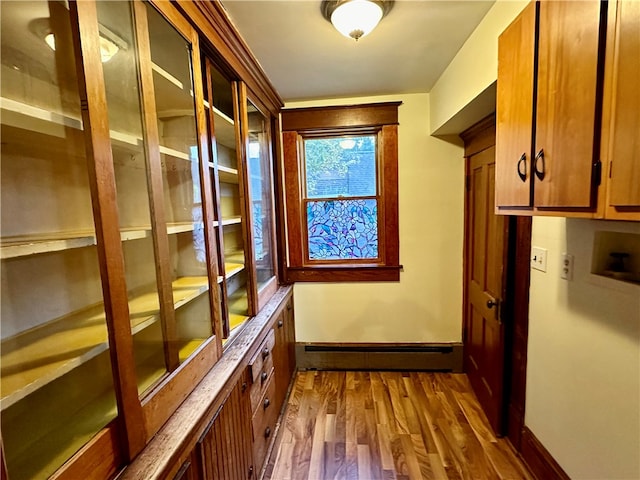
235,256
38,356
74,432
166,75
224,129
227,175
24,245
36,119
174,153
238,304
231,269
70,435
229,221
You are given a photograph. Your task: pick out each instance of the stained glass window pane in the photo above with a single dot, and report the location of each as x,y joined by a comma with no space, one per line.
343,229
341,166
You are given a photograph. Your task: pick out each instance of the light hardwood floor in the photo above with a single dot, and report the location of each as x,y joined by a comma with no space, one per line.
387,425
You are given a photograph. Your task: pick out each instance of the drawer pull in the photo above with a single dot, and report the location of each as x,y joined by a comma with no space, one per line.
280,323
263,376
244,386
251,471
265,352
266,403
522,167
539,159
267,432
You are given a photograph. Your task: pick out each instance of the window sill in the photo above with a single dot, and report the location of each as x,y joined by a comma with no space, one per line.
345,273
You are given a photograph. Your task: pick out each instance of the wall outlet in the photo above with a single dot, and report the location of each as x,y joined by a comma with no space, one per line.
566,269
539,258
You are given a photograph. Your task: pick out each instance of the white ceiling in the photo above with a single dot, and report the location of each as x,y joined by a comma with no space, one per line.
306,58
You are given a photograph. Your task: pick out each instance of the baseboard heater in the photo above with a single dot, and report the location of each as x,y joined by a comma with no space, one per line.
445,357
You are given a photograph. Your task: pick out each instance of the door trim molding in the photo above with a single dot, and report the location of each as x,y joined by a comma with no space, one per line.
477,138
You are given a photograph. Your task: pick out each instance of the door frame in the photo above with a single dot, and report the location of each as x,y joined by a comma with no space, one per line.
515,305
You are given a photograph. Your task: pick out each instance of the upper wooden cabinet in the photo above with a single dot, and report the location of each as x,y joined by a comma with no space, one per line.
126,212
620,150
549,82
515,97
568,111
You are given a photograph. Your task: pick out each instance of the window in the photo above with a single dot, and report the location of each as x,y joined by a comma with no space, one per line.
341,193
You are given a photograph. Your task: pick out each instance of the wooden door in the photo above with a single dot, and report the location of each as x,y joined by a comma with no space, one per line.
625,142
224,451
568,81
486,248
514,110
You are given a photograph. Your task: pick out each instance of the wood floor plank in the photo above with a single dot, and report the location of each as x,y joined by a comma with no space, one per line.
410,456
364,462
352,461
373,444
388,425
316,461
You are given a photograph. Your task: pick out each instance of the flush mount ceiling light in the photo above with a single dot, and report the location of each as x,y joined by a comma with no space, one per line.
355,18
110,42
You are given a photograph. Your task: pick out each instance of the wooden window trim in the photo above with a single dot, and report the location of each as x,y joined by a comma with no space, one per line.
301,123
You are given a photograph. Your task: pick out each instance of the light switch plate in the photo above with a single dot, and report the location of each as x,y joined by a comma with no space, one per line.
539,258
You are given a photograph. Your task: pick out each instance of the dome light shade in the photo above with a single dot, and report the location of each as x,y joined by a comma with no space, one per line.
355,18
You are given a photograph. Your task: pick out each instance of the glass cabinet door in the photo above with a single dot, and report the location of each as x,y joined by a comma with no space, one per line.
261,195
171,65
131,168
157,172
56,381
227,175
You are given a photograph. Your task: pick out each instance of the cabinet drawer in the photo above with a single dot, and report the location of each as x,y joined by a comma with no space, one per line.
264,422
262,356
260,370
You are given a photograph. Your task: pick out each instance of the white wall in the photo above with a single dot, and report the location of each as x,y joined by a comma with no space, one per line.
465,92
426,304
583,371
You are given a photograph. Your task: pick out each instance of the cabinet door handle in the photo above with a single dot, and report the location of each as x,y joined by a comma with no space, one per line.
263,377
522,167
250,471
267,432
289,306
266,403
244,386
280,323
539,160
265,352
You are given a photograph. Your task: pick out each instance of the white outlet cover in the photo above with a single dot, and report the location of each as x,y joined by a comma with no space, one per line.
539,258
566,267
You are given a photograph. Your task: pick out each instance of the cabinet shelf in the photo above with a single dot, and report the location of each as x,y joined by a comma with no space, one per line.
25,245
87,419
227,174
230,270
237,220
174,153
166,75
35,119
224,128
78,337
237,303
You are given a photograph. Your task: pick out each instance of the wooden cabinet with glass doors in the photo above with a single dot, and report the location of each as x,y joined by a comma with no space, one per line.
123,229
